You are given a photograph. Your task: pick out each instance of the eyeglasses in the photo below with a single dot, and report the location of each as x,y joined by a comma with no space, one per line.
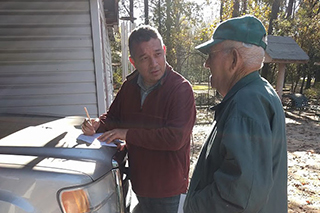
213,53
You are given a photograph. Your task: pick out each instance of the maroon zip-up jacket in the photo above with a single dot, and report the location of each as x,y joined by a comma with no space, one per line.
158,139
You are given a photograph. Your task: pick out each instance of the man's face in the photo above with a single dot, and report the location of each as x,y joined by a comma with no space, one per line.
150,61
217,62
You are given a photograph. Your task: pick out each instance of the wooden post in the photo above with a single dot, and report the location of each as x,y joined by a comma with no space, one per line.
280,79
124,50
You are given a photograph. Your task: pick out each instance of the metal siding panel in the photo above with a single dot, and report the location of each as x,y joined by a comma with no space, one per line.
43,55
46,57
49,19
27,44
45,66
43,30
25,5
45,100
45,78
74,110
46,89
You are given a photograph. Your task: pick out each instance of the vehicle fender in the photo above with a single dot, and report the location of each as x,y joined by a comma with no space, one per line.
11,203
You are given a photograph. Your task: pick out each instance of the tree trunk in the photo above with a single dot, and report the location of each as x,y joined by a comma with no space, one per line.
236,5
159,14
146,12
221,9
131,11
274,15
317,77
179,55
304,75
302,83
167,39
244,6
297,79
290,8
308,83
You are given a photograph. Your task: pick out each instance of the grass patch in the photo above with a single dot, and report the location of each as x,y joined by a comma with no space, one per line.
200,87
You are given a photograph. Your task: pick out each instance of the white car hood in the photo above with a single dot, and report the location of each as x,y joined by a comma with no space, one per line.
53,147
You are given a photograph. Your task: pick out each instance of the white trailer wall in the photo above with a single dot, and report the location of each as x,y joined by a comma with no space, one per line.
52,61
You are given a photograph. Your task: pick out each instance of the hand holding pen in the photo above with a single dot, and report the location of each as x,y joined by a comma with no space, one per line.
89,126
117,136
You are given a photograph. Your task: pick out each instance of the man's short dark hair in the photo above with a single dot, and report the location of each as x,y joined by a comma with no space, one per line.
143,34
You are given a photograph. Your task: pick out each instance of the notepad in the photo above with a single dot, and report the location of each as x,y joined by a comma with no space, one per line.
93,139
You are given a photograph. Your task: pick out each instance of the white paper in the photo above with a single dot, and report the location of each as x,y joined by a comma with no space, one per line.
93,139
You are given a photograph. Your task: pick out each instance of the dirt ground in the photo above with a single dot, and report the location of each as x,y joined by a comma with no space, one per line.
303,137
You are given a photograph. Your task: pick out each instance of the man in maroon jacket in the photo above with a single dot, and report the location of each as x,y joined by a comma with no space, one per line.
154,112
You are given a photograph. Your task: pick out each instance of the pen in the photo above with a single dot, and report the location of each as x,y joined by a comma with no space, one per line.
88,116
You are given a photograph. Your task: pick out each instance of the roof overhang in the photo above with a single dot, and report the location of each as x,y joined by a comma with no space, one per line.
284,50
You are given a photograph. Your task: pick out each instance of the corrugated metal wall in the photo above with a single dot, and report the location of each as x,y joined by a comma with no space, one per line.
46,57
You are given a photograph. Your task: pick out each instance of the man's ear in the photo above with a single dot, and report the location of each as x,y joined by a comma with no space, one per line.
131,61
235,58
164,49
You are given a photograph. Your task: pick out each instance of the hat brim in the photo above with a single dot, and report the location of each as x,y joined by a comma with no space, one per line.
205,47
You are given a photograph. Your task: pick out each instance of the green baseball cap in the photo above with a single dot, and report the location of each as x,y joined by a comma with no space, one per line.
247,29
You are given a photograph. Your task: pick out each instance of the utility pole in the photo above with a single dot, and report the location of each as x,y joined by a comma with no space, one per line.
131,11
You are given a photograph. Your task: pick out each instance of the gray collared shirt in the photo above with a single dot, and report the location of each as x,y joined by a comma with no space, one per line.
145,91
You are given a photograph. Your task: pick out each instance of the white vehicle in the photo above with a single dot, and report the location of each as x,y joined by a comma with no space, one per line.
45,169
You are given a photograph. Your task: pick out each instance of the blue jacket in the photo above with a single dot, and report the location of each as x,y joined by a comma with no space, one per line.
243,164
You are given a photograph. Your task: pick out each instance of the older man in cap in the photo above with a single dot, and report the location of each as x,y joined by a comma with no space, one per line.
243,164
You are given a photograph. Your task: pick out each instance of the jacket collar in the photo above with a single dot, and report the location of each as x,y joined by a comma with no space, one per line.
239,85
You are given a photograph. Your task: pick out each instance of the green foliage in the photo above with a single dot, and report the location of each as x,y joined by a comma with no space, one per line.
200,87
260,9
304,28
176,20
182,25
313,93
116,61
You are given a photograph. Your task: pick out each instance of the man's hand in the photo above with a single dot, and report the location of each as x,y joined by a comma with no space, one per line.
89,127
114,134
121,146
